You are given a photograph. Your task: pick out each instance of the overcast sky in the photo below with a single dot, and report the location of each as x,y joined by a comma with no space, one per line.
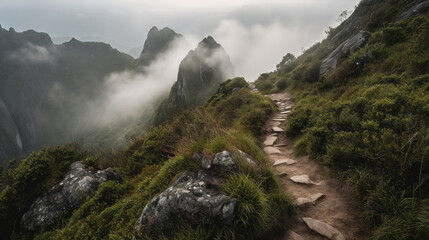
264,29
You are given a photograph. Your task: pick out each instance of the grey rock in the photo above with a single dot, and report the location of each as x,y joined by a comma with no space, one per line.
417,8
65,196
277,129
270,140
324,229
303,179
223,159
246,156
349,46
190,198
286,161
272,150
312,199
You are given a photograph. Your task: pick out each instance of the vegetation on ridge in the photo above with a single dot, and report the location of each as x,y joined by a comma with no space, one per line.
150,164
368,117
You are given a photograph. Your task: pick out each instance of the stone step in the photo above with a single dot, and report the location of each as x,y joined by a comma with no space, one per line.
278,119
303,179
270,140
288,108
277,129
291,235
310,200
286,112
286,161
280,145
272,150
323,229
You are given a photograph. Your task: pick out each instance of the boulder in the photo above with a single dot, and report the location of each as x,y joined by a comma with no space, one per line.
195,196
65,196
349,46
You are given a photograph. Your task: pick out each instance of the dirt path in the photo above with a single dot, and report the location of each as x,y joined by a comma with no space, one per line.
333,200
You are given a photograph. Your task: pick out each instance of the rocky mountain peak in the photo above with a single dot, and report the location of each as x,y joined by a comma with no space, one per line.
157,42
208,43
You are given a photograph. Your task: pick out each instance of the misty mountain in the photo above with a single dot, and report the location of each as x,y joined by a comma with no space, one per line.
43,87
200,74
157,42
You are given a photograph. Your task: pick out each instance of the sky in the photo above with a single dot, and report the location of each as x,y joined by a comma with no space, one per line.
255,33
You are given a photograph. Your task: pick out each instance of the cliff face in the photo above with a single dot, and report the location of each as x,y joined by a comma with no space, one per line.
10,140
157,42
200,74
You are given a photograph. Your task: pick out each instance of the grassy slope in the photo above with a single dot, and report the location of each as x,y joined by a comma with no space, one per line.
369,118
229,120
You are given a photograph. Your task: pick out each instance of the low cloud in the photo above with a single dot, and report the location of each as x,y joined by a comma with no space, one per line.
258,48
31,53
127,95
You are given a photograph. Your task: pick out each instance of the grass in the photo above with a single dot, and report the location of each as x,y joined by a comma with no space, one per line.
368,121
230,120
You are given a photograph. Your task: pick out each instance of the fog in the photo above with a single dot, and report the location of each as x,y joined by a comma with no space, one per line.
31,53
126,95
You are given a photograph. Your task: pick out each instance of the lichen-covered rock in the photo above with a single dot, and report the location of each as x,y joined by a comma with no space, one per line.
349,46
195,196
192,199
65,196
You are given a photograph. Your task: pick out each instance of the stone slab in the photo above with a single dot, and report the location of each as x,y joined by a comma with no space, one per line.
303,179
323,229
309,200
272,150
286,161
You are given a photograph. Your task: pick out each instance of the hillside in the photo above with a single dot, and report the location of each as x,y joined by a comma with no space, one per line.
331,145
230,120
362,107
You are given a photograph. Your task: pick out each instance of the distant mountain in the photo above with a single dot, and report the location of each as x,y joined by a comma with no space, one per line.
31,68
157,42
200,74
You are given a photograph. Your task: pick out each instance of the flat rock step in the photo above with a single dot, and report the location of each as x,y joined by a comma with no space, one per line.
312,199
291,235
323,229
280,145
270,140
278,119
288,108
303,179
277,129
272,150
286,112
286,161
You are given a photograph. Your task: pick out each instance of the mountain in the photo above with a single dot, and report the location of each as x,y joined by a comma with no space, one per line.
157,42
44,86
200,74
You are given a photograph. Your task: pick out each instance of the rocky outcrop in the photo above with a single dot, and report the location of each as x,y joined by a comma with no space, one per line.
65,196
157,42
349,46
10,140
195,196
200,74
417,8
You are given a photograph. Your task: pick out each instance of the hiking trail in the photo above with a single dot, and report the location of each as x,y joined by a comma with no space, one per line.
326,208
